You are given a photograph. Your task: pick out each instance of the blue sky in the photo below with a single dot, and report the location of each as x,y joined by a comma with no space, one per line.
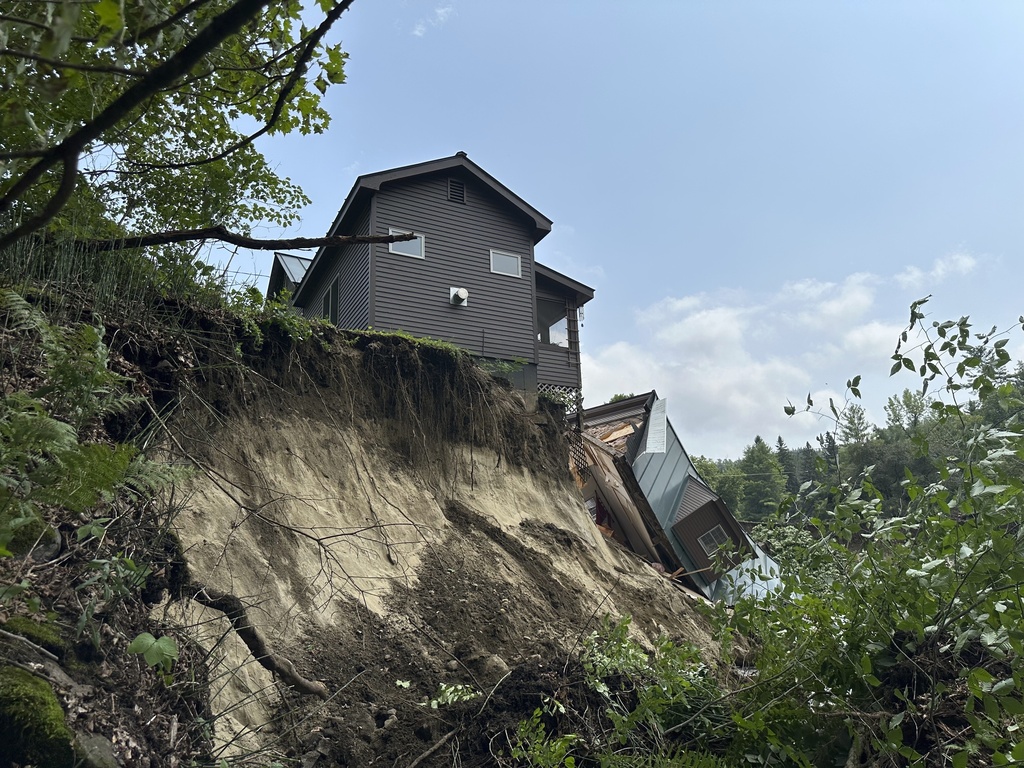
757,191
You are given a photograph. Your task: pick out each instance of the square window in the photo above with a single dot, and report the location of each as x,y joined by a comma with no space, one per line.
417,247
713,539
505,264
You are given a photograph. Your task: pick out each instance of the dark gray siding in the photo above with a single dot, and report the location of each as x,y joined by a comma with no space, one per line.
413,294
355,280
556,365
695,525
352,266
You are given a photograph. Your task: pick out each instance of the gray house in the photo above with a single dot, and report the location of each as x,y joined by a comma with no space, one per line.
643,491
468,276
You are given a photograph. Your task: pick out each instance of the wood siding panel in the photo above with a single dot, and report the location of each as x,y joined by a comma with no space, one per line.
693,526
351,265
354,271
413,294
559,366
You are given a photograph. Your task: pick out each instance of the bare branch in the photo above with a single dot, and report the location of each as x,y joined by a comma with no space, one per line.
67,186
58,64
25,22
243,241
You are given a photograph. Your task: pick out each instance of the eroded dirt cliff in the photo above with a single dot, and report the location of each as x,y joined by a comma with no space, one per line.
377,557
396,524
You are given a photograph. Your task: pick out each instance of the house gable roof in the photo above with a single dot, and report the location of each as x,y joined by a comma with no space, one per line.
565,284
369,184
286,271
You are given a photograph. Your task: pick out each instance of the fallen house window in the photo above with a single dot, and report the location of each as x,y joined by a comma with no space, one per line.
713,539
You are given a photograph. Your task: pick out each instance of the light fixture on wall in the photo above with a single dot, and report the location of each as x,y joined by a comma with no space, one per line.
458,296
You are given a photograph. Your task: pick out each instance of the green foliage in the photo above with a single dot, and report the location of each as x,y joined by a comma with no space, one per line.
788,462
725,478
112,579
537,748
620,397
909,650
655,702
648,695
51,472
854,427
67,63
44,464
798,551
159,653
452,693
764,483
898,639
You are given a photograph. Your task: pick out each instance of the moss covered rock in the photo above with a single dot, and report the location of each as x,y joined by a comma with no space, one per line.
44,634
32,727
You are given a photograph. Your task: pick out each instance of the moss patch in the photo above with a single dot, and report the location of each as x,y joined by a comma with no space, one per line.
44,634
32,727
27,533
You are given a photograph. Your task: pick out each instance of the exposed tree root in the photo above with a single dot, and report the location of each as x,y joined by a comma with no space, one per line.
236,613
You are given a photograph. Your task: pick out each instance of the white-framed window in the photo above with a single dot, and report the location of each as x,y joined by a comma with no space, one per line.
713,539
330,308
417,247
506,264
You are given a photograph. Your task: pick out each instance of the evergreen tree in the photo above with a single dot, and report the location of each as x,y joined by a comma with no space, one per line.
764,481
854,428
807,463
724,478
732,485
830,455
788,463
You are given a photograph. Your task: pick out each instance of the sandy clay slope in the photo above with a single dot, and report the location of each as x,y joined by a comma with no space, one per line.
383,572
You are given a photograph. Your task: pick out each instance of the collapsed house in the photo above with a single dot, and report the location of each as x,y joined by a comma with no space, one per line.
643,491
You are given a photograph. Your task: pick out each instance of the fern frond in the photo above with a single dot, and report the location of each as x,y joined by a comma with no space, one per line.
146,478
21,316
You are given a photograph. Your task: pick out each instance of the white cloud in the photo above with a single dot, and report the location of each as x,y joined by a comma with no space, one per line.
834,304
659,312
953,265
729,364
441,14
870,341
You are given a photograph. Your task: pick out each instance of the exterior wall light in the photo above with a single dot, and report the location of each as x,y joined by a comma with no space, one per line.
458,296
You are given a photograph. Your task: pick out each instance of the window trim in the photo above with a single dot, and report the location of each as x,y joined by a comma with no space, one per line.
420,238
330,309
518,258
715,544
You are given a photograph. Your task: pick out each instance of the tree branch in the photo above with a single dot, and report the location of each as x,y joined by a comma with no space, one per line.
212,35
293,80
172,19
57,64
234,238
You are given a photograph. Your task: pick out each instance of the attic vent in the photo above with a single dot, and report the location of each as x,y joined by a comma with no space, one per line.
456,191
